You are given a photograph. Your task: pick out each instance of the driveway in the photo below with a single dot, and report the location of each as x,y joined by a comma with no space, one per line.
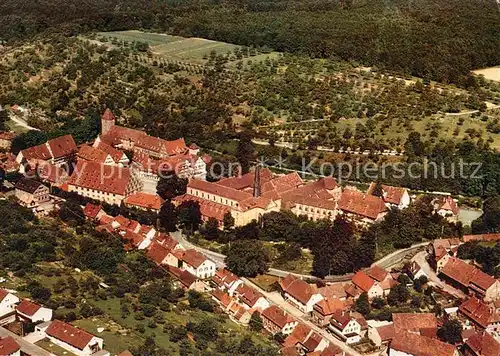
420,258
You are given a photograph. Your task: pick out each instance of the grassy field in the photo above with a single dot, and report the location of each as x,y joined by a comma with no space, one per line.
54,349
179,48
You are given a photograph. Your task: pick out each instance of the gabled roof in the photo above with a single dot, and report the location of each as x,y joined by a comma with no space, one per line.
100,177
377,273
194,258
467,274
298,335
391,195
483,345
222,297
89,153
108,115
331,291
363,281
28,185
246,181
277,316
157,252
249,295
3,294
185,277
28,308
479,312
298,288
115,154
340,319
386,332
329,306
447,203
8,345
359,203
91,210
414,322
69,334
52,149
145,200
418,345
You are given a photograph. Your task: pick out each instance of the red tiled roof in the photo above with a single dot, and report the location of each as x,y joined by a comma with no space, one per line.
135,238
467,274
482,237
145,200
37,152
3,294
27,307
479,312
298,288
377,273
175,147
336,290
7,136
359,203
116,154
312,341
157,252
62,146
52,173
414,322
276,187
110,179
484,345
108,115
91,210
246,181
8,345
125,353
418,345
69,334
249,295
362,281
298,335
447,203
220,190
222,297
89,153
185,277
277,316
329,306
340,319
392,195
386,332
193,258
224,276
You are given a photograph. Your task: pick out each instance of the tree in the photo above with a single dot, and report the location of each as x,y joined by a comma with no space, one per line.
228,221
378,191
450,332
249,231
72,213
398,294
255,322
490,220
211,231
170,185
362,305
28,139
168,216
378,302
245,151
4,117
247,258
189,215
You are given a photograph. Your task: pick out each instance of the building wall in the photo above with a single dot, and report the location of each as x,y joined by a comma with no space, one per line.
374,336
7,305
41,195
43,314
5,144
375,291
493,293
109,198
314,213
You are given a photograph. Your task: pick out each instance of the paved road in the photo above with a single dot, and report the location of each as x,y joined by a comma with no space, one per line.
275,298
26,347
420,258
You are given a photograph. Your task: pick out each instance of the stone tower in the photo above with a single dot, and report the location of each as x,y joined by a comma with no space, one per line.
107,121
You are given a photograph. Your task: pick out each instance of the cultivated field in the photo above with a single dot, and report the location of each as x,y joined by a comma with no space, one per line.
194,50
492,73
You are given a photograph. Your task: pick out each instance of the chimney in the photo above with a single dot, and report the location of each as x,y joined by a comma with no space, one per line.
256,182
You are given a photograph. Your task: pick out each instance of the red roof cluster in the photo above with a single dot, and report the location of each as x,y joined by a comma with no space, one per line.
415,344
391,195
447,203
298,288
482,237
484,344
193,258
248,295
116,154
91,210
52,149
69,334
363,281
414,322
185,277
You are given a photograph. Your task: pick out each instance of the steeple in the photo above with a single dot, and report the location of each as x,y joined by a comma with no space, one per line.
107,121
256,182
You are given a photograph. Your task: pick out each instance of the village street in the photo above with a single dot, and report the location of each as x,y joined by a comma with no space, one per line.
420,258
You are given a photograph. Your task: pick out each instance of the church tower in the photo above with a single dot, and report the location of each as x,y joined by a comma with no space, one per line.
107,121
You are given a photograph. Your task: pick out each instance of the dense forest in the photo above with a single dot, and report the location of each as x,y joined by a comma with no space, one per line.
437,39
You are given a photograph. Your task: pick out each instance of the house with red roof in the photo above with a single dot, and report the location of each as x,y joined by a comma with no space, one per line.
90,153
470,279
382,277
144,201
361,207
251,298
226,280
186,280
119,158
71,338
300,293
110,184
304,340
408,344
93,211
58,151
396,197
28,311
363,283
8,302
165,250
481,345
9,346
415,323
380,333
480,315
346,327
326,308
31,193
447,207
197,264
277,320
